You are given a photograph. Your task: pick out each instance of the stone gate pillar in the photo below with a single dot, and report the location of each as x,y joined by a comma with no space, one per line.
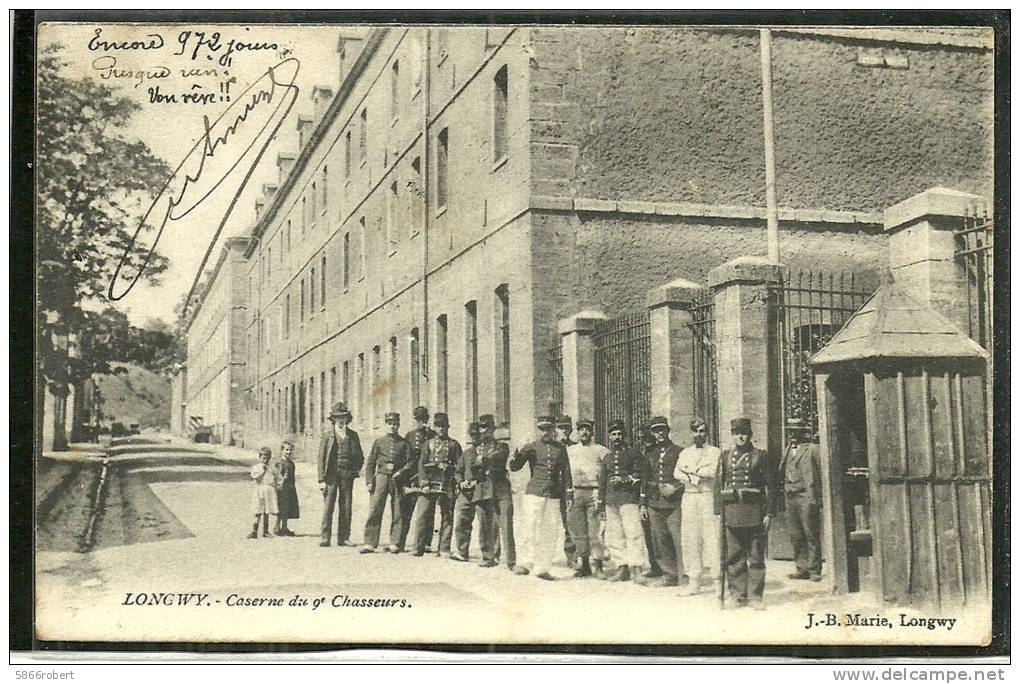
579,363
671,351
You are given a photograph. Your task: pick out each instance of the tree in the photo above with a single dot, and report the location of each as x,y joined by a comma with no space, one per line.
93,184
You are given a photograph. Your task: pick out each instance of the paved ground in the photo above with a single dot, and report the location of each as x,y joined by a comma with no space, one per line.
175,522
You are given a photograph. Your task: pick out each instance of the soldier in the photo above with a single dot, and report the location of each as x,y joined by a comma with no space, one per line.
645,444
485,465
416,440
340,461
802,485
585,461
387,471
662,500
550,484
746,502
695,468
565,426
619,498
437,479
464,506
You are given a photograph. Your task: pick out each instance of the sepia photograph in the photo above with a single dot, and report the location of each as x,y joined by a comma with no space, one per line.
411,332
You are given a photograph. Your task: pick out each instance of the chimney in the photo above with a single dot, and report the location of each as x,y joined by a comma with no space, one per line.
322,96
260,207
285,162
269,190
304,129
348,48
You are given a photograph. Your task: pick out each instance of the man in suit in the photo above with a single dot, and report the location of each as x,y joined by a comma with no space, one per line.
663,495
416,441
744,497
802,486
549,485
340,461
437,480
619,498
387,472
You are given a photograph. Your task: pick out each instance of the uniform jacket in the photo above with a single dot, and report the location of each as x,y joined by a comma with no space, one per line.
550,469
801,472
346,457
742,490
416,440
660,465
437,464
629,464
485,464
390,456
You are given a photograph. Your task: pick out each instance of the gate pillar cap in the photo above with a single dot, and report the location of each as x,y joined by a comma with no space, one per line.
680,292
746,269
932,202
582,322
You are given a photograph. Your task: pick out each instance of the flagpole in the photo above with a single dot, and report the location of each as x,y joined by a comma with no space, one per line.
772,209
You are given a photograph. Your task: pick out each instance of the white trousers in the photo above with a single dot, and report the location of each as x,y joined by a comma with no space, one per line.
700,535
624,535
543,524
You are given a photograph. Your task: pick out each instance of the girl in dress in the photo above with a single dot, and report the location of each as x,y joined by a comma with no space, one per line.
286,494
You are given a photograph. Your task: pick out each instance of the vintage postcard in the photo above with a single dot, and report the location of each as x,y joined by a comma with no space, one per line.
514,334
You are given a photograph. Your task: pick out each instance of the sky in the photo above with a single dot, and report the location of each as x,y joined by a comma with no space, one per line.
171,129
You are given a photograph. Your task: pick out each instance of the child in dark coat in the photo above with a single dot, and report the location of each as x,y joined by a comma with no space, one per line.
286,493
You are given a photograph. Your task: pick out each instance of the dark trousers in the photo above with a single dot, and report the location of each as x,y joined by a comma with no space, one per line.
464,519
385,488
342,490
583,520
667,542
407,504
425,521
496,517
569,547
653,566
745,561
802,519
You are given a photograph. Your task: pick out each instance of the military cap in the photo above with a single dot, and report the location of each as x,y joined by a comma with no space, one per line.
563,420
441,420
545,421
698,422
421,413
473,428
617,425
658,422
339,409
487,421
740,426
586,422
392,417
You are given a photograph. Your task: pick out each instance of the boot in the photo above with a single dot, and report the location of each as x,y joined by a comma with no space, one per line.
255,529
597,571
265,525
621,574
585,569
635,573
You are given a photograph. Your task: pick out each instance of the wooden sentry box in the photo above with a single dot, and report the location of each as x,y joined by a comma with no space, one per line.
903,388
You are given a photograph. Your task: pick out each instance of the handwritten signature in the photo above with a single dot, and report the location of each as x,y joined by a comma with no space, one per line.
186,189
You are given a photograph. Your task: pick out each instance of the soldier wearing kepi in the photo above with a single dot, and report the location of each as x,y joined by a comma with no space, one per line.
487,464
695,468
746,501
585,460
564,428
802,486
416,441
388,469
340,461
619,497
663,495
549,485
437,481
464,507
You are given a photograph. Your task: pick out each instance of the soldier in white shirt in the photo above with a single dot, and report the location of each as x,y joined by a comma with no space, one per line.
695,467
583,514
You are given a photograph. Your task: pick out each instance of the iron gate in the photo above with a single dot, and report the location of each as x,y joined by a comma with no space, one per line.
974,253
622,373
704,386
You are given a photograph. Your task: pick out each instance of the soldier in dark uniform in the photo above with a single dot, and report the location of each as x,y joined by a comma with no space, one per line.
663,495
550,484
437,481
564,428
802,487
464,506
486,465
416,440
619,498
645,444
745,499
340,461
387,472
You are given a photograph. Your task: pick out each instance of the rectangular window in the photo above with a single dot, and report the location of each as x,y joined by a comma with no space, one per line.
332,386
503,349
442,159
345,382
361,385
311,293
302,397
290,245
363,239
499,115
311,402
417,193
302,308
325,186
269,264
363,136
442,363
286,316
304,215
391,217
322,281
392,373
346,258
376,383
315,198
395,89
322,400
471,333
415,368
347,155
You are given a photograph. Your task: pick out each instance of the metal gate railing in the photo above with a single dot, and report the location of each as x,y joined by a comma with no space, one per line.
705,387
808,309
974,252
622,372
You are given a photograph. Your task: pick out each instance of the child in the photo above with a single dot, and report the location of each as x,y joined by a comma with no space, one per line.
286,494
263,498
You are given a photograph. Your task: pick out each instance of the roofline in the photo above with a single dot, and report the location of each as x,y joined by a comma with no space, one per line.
318,133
